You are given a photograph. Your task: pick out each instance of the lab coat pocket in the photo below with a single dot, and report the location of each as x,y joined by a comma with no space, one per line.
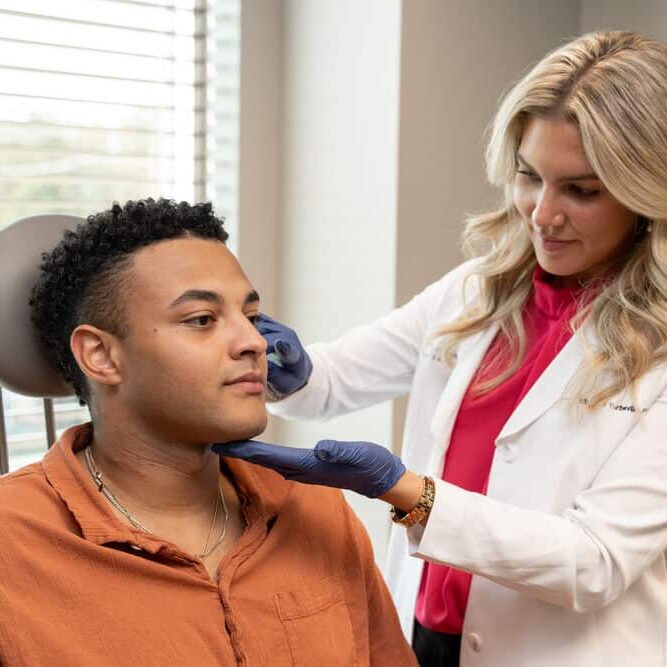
318,625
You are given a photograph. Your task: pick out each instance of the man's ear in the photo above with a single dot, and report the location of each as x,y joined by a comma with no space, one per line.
98,354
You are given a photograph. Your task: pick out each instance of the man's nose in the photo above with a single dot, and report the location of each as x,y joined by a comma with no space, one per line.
247,340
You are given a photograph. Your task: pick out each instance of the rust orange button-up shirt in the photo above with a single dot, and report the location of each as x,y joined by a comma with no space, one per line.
78,587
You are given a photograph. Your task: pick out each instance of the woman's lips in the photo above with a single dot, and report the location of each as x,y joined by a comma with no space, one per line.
553,245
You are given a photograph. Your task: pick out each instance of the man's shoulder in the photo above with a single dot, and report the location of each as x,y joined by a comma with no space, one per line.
20,491
287,495
310,506
22,478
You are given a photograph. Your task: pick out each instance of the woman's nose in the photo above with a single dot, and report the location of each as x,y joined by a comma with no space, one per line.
546,212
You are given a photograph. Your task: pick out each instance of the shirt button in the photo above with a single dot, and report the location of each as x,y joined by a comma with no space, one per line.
475,642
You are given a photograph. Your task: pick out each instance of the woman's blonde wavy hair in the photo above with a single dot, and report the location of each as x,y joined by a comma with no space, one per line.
613,85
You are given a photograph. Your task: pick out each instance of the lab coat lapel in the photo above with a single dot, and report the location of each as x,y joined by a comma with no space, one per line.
470,354
548,388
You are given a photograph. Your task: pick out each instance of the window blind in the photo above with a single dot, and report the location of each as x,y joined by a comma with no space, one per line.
100,100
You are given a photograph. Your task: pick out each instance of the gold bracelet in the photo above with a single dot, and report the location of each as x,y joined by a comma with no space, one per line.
421,510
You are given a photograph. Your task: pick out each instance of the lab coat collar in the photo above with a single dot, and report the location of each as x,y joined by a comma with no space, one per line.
549,388
469,356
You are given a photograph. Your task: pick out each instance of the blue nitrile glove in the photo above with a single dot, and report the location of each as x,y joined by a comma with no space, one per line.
289,364
363,467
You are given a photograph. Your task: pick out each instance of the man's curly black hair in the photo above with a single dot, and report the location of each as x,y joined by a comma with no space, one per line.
82,278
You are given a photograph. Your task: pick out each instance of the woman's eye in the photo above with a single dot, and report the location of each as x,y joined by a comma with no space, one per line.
254,319
584,193
531,176
200,321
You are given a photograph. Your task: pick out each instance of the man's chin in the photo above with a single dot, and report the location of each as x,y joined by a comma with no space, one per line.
243,430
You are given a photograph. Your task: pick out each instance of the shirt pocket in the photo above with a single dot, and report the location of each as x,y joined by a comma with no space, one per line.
317,623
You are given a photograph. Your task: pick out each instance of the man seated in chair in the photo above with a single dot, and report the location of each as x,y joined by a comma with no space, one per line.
131,542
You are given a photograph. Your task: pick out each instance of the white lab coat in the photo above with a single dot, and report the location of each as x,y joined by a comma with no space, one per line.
567,545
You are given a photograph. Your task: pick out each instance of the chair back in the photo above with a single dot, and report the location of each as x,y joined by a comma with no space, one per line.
24,367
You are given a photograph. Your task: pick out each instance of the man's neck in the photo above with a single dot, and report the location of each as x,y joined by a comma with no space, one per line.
155,476
173,489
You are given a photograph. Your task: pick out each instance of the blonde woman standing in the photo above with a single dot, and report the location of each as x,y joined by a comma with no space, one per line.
537,377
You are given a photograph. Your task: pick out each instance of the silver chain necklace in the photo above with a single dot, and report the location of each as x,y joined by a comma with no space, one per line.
108,494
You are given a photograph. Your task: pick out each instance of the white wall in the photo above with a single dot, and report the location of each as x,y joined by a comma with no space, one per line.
337,264
647,16
260,145
457,58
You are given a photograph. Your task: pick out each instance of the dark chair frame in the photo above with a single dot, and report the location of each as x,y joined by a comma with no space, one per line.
49,422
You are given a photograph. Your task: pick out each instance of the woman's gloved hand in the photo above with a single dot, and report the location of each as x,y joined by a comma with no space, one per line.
289,363
364,467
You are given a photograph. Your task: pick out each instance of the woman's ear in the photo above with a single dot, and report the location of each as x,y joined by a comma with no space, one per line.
97,354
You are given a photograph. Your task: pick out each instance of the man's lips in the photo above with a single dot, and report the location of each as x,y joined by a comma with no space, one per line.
249,383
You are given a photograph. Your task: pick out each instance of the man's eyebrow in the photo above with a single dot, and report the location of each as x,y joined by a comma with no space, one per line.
591,176
211,297
197,295
252,297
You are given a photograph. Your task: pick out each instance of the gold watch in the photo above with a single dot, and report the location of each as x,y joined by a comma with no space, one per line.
421,510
